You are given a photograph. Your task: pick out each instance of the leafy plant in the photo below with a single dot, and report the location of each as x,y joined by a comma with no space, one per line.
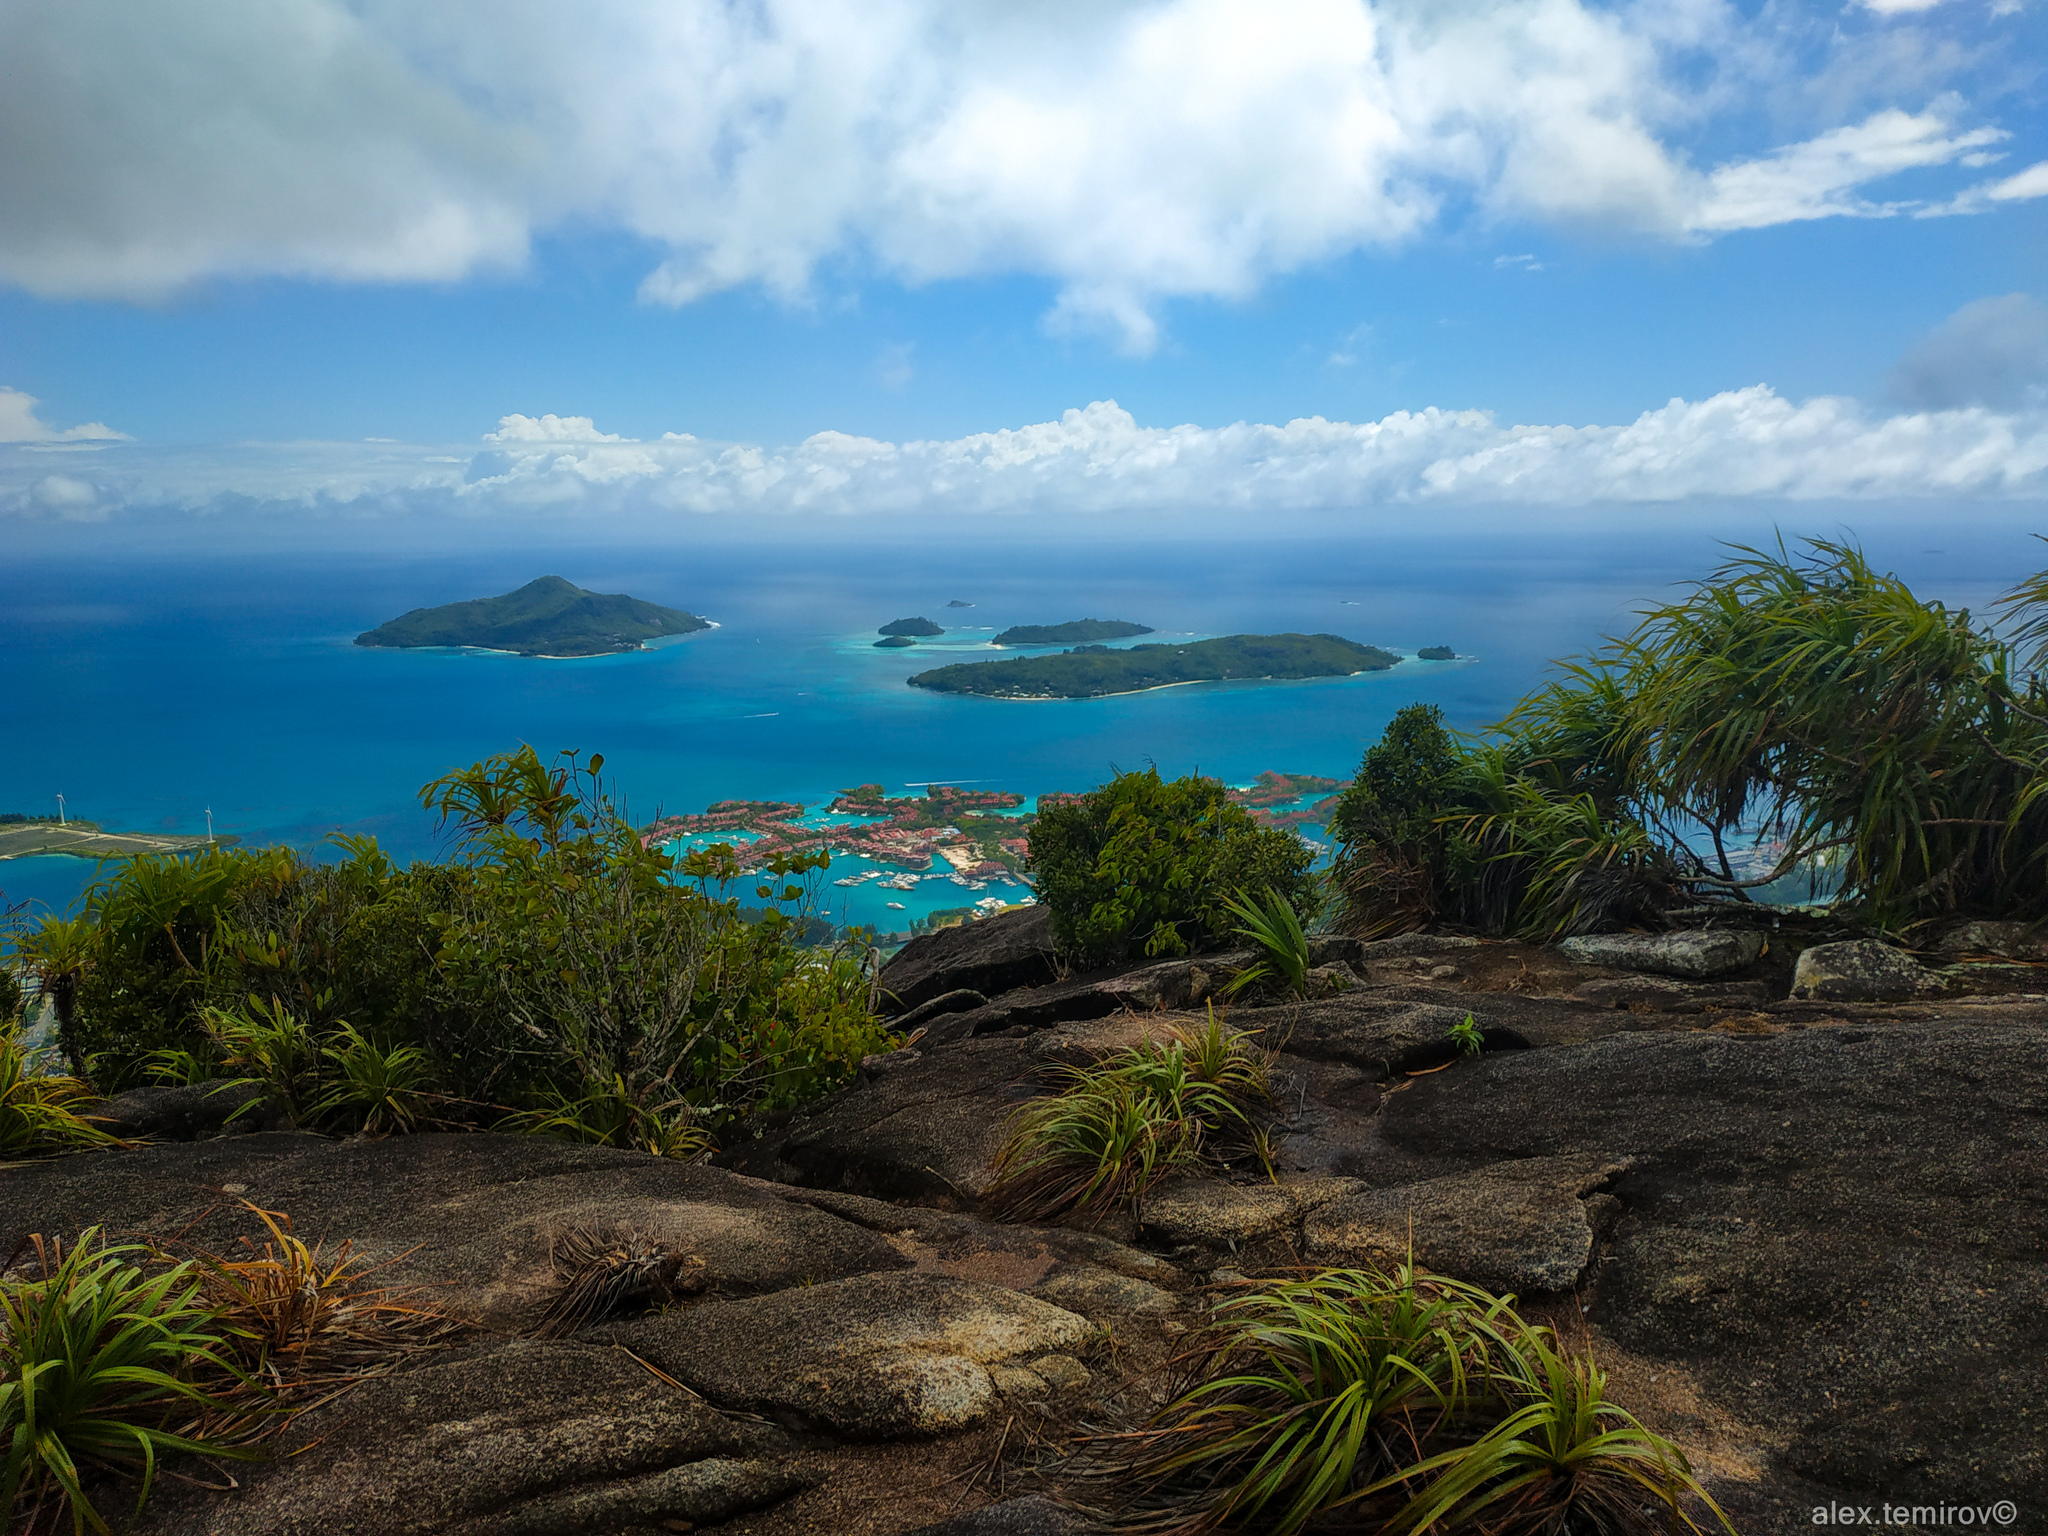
1467,1037
291,1316
1403,1402
264,1042
1273,925
40,1114
1896,750
1145,865
378,1088
1120,1126
103,1365
1304,1392
612,1114
1563,1458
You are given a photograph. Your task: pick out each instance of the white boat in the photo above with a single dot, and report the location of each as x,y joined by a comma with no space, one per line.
895,906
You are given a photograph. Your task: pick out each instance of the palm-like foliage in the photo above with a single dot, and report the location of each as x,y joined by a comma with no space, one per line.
1117,1128
1273,925
1405,1403
1879,736
40,1114
103,1365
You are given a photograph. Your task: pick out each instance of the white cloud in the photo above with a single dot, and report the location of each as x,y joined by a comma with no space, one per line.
1128,152
1099,462
20,424
1822,177
545,429
1900,7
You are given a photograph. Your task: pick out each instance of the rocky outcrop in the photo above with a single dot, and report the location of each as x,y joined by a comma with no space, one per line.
875,1357
1698,954
1861,971
1804,1236
189,1112
1521,1226
508,1438
997,954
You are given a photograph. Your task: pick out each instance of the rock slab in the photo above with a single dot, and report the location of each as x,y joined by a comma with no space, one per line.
992,956
1861,971
1696,954
876,1357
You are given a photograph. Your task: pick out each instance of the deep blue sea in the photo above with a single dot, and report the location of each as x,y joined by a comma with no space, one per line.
148,691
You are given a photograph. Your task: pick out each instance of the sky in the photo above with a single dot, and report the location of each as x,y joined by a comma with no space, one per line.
386,271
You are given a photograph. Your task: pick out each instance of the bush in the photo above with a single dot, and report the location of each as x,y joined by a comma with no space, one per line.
553,963
39,1114
103,1364
1897,750
1143,864
1120,1126
1403,1402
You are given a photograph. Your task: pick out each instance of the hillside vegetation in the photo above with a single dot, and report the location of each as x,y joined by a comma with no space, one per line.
1093,673
1892,753
548,617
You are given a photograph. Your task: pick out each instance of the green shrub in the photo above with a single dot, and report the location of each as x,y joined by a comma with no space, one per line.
553,954
1400,1402
1120,1126
1275,927
40,1114
1896,749
1146,865
104,1364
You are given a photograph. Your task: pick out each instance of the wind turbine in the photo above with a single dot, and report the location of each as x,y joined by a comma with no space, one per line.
60,811
209,823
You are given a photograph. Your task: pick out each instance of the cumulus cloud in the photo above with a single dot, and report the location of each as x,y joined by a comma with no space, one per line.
20,424
1127,151
1990,353
1099,462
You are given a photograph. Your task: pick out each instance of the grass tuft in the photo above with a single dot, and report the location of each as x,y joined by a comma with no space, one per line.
601,1271
1117,1128
1403,1402
104,1367
40,1115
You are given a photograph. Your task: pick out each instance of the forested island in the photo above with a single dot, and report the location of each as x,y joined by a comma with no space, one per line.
1093,672
1437,653
917,626
548,617
1070,634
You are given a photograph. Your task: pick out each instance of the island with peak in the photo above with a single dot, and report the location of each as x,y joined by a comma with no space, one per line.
1068,634
1093,672
957,603
1436,653
906,627
548,617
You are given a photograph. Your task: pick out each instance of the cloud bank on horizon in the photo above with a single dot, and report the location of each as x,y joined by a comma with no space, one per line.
1129,153
1748,443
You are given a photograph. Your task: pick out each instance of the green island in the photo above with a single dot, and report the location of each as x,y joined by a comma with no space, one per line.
549,617
907,627
1068,634
1436,653
1095,673
895,642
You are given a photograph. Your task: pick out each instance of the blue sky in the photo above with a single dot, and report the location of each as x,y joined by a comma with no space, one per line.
237,240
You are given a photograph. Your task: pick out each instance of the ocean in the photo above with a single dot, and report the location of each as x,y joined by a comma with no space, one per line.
148,692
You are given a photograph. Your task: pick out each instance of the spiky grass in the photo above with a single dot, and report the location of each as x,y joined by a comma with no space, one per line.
1402,1402
1117,1128
39,1115
104,1366
1271,923
600,1271
297,1317
609,1112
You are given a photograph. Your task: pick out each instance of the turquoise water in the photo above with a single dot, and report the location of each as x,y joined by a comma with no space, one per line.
147,693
